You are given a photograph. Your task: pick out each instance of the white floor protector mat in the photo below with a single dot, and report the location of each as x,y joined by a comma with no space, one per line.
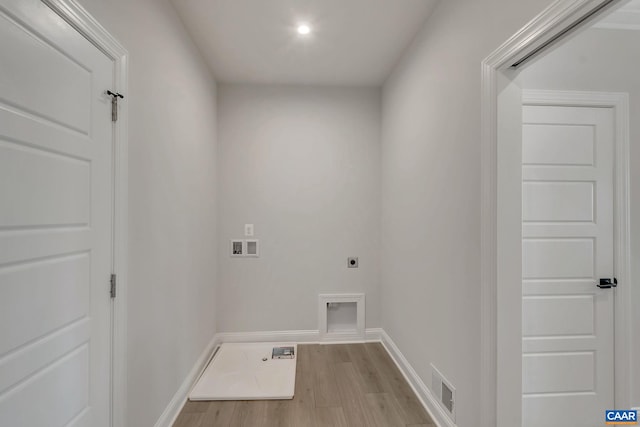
246,371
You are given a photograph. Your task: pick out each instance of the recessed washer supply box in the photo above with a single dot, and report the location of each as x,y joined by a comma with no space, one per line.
341,317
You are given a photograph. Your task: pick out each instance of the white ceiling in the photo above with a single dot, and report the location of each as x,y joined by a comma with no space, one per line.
353,42
626,17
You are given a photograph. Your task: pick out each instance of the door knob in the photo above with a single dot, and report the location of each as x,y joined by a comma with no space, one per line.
608,283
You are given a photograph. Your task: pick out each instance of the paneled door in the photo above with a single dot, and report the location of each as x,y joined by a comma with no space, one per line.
567,246
56,204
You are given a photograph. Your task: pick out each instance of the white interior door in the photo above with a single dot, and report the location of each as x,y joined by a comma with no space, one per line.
567,246
55,222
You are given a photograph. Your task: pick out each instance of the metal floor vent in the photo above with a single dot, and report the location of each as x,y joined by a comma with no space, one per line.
444,392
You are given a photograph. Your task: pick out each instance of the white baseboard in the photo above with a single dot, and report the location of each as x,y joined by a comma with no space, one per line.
302,336
425,396
373,334
341,337
172,411
299,336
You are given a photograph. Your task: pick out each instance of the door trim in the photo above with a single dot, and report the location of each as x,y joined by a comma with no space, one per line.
619,102
92,30
550,23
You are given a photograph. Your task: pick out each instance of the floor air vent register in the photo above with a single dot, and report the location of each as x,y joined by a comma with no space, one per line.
444,392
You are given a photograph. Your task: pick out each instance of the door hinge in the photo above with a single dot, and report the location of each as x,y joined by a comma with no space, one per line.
113,286
114,104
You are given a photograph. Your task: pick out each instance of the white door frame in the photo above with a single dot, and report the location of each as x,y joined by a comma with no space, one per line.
85,24
499,386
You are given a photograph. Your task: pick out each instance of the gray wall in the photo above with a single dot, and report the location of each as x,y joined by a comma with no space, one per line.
431,191
607,61
302,164
172,201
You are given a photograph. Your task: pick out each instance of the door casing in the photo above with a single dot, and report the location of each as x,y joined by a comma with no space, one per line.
501,216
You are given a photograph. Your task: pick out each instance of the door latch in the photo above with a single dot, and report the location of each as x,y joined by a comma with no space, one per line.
608,283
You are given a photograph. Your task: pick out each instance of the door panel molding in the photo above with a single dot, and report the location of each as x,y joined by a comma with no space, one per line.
579,380
619,102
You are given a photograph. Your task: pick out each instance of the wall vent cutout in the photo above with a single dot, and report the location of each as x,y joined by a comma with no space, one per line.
444,392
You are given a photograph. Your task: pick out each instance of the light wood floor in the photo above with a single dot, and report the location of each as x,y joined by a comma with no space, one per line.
342,385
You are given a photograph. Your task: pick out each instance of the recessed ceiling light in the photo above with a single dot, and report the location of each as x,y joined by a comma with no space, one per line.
304,29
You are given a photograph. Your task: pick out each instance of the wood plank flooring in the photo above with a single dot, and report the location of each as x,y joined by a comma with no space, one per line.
337,385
